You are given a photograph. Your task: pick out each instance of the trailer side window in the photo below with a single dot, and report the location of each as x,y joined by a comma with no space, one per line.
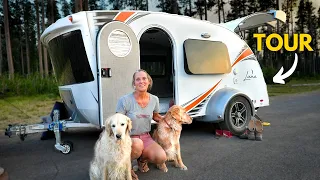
206,57
69,59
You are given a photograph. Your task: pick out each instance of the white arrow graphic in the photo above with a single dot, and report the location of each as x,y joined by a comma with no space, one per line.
278,78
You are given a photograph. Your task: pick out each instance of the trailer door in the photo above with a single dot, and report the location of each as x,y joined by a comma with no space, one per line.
256,20
118,58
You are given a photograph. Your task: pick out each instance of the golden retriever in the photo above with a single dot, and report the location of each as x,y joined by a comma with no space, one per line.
167,134
112,151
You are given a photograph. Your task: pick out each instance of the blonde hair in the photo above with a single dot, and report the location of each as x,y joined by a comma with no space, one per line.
148,76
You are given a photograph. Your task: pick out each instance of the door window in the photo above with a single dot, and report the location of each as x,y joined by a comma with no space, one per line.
69,59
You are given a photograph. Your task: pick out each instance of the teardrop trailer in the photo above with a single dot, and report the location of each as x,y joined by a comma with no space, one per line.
205,67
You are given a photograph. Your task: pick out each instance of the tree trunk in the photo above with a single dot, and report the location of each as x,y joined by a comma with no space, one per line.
22,58
39,42
45,56
190,8
147,5
223,15
52,11
1,57
27,54
205,10
288,20
8,42
200,11
291,16
174,7
219,11
85,5
78,5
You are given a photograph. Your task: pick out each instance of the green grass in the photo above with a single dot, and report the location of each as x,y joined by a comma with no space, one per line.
28,109
290,88
25,109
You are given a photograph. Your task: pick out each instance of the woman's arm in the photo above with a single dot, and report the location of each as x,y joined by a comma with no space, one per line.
157,117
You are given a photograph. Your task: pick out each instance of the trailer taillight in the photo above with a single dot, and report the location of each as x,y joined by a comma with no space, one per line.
70,18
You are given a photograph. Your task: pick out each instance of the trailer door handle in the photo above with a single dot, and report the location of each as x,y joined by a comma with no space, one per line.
106,72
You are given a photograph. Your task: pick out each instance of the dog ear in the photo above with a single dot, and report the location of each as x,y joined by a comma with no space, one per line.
129,125
175,113
108,127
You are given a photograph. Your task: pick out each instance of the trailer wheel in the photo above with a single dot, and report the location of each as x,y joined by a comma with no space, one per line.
237,115
69,147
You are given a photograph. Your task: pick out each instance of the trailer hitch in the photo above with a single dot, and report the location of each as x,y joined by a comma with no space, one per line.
21,131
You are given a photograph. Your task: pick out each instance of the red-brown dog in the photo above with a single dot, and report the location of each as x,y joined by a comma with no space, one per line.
168,134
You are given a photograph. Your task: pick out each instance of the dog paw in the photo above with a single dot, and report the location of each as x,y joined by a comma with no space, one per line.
184,168
165,169
162,167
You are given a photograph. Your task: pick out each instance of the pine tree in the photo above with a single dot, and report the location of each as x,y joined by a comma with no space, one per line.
30,40
301,17
93,5
220,10
169,6
188,8
200,8
8,40
300,28
312,31
1,26
66,10
318,18
52,11
238,9
252,8
266,5
119,4
287,7
138,4
38,38
318,43
103,4
45,52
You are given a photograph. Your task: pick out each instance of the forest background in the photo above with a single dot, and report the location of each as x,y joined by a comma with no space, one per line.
25,67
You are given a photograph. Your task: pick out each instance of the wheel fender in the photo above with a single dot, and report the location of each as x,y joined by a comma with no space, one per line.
219,101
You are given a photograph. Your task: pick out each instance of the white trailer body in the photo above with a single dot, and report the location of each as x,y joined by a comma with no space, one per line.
205,67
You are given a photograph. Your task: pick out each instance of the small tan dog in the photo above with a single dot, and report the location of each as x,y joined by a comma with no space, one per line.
167,134
112,151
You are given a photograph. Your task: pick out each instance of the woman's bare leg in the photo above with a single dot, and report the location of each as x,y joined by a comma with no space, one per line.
136,148
136,152
154,153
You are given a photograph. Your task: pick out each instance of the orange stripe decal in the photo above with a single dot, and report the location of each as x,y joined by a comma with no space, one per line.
123,16
197,101
247,52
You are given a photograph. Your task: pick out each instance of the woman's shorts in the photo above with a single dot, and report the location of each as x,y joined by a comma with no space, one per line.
146,139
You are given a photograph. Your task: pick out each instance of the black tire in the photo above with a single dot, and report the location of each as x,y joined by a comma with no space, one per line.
237,115
68,145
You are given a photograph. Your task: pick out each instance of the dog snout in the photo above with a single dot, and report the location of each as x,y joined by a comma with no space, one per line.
118,136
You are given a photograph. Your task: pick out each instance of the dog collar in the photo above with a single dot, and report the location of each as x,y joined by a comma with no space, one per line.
167,123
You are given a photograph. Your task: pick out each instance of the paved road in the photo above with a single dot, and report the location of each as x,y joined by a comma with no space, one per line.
290,150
